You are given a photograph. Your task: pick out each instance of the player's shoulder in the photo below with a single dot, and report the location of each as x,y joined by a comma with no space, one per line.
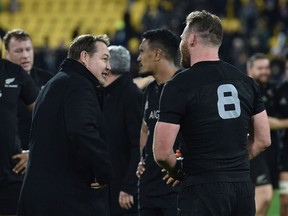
40,72
10,67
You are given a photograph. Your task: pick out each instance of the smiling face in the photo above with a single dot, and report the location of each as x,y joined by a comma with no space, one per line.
260,71
98,62
21,52
145,59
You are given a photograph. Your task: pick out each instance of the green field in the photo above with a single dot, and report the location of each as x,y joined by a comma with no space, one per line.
275,206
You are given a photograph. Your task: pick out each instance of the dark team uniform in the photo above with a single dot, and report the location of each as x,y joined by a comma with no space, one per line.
264,168
40,78
213,102
15,84
156,197
281,105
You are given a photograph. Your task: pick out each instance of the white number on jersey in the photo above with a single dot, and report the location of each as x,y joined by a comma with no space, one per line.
228,102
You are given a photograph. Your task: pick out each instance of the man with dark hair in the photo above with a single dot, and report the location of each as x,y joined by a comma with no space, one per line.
218,109
69,162
264,168
15,84
158,57
19,50
123,114
282,107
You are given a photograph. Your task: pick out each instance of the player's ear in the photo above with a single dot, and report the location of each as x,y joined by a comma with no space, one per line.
192,40
158,54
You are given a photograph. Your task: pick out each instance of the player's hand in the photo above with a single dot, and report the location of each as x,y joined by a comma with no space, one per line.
170,180
140,168
23,157
125,200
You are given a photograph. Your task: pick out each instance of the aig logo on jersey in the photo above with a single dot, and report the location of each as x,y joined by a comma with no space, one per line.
8,83
0,94
154,114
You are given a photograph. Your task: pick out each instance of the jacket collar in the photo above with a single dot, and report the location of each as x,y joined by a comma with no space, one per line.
121,81
73,66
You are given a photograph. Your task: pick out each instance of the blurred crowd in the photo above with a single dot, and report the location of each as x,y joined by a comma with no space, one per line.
249,26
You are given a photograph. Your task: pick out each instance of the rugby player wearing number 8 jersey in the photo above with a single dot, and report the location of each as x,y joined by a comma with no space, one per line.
215,106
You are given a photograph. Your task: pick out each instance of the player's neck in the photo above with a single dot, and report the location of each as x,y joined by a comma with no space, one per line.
205,54
164,72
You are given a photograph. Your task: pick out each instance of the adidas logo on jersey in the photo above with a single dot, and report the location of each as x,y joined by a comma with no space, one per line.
8,83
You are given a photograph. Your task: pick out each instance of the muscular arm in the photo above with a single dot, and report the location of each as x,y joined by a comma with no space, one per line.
276,123
164,138
259,136
143,135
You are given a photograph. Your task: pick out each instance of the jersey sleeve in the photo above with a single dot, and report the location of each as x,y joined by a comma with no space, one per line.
258,102
172,103
29,89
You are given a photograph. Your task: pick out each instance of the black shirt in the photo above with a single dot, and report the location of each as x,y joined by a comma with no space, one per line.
281,105
15,84
151,182
123,116
40,78
213,102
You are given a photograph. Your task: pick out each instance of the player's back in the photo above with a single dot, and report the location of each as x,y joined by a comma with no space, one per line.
220,101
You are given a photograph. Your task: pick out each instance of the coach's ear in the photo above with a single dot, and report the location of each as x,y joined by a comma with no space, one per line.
84,56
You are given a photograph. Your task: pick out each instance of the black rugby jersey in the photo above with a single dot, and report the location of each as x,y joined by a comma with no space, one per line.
40,78
213,102
151,182
15,84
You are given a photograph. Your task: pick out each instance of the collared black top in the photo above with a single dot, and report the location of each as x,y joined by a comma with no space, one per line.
123,118
40,78
67,151
15,84
151,182
213,103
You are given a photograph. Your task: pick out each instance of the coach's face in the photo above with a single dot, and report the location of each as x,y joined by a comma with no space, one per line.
184,49
261,71
98,63
146,59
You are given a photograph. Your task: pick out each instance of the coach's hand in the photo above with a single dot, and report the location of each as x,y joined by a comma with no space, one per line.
22,163
140,168
125,200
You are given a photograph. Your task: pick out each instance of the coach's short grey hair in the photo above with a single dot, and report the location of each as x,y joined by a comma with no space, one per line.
119,60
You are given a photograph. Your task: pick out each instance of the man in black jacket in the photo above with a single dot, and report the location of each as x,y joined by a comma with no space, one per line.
19,50
122,112
69,163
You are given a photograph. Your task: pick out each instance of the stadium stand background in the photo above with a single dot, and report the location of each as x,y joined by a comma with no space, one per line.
250,25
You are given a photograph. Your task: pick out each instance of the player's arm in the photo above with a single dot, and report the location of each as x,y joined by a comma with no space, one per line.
142,83
276,123
164,138
259,134
143,135
143,140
